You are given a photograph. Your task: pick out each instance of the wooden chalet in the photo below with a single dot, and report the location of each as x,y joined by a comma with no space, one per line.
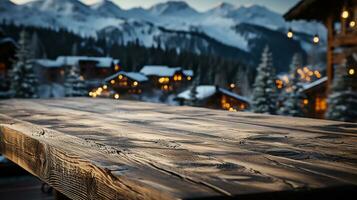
91,68
126,83
340,18
166,78
316,98
210,96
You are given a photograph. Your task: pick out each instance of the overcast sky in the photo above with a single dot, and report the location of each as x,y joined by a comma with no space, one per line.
280,6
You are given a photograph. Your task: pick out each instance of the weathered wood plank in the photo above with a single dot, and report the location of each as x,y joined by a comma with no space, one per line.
106,149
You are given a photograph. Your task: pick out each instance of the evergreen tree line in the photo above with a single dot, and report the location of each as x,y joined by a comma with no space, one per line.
211,69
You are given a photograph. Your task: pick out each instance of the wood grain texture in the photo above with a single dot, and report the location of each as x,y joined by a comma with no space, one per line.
106,149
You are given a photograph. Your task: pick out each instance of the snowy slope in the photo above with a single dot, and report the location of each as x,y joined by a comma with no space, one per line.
106,8
173,8
173,24
254,14
175,15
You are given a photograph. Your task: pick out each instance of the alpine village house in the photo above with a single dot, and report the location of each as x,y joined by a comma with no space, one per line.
340,18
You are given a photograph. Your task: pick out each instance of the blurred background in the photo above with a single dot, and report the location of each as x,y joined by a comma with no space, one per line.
286,57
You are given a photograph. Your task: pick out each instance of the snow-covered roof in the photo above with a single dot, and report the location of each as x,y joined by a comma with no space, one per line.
101,61
188,72
8,40
234,95
315,83
159,70
73,60
132,75
205,91
48,63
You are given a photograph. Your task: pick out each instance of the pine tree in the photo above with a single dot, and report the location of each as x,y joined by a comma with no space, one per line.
243,82
36,46
342,102
264,92
74,51
293,94
74,86
24,82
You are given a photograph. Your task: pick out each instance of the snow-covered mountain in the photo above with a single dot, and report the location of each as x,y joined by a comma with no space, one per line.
107,8
173,8
254,14
172,24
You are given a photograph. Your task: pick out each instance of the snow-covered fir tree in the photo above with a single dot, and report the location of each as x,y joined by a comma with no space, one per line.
193,92
342,102
74,86
293,96
243,82
264,92
24,82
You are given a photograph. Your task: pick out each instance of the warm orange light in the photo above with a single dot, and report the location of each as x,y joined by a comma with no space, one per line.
232,85
116,68
306,101
189,78
232,109
345,14
317,74
105,87
290,34
120,77
116,96
316,39
320,104
352,24
164,80
351,72
112,81
242,106
279,84
135,83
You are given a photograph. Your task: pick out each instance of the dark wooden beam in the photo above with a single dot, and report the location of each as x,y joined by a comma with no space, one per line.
346,40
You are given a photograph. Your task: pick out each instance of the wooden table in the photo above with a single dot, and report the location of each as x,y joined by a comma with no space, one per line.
109,149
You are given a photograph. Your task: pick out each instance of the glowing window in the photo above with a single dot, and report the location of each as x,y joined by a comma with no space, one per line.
320,104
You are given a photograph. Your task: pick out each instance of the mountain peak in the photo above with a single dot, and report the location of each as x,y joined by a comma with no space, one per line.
64,6
108,9
225,5
172,7
222,9
103,3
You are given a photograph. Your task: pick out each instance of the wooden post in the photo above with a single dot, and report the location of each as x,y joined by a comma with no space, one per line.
330,40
